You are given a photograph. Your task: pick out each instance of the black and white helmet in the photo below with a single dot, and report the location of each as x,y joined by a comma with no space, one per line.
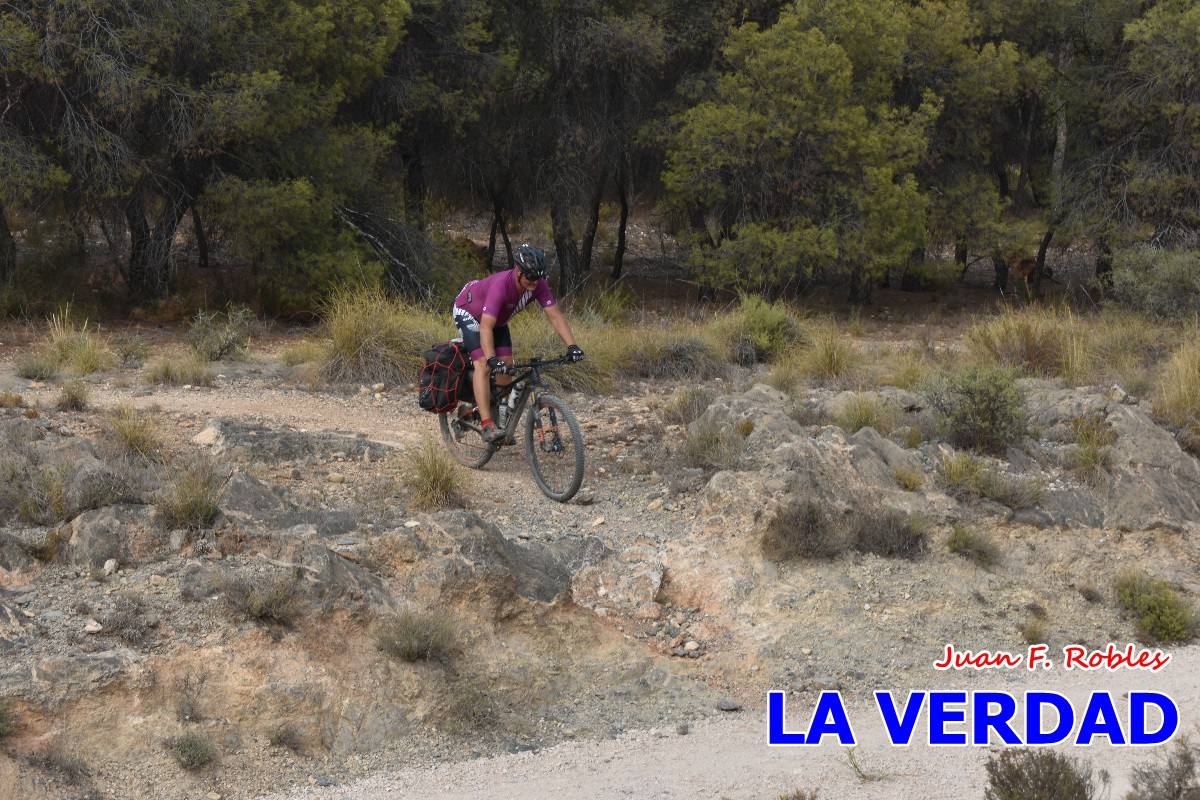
531,262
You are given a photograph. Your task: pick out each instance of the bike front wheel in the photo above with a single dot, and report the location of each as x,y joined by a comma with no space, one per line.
554,445
462,439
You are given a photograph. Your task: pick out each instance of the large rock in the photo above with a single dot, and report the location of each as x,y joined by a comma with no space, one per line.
16,625
329,579
13,558
261,443
123,532
624,581
763,405
254,504
55,679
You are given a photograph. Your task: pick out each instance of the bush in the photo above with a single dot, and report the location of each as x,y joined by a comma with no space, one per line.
887,533
8,718
374,338
75,346
287,737
127,620
1038,775
416,637
192,750
11,400
306,351
1033,630
1093,439
830,359
432,477
671,356
44,499
1172,775
57,758
1177,400
131,350
275,600
687,404
180,372
223,334
867,411
908,479
73,397
39,365
190,499
982,407
1162,283
756,330
133,434
966,477
1162,614
802,530
973,546
1041,341
712,447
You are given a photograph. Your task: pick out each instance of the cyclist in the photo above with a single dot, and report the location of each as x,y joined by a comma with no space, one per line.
482,311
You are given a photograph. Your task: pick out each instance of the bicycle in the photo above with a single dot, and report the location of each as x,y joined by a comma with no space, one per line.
553,441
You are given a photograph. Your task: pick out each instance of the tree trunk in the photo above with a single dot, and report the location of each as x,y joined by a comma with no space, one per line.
8,250
960,258
860,286
491,248
569,268
1104,265
508,248
1040,268
913,280
589,235
623,198
1000,266
149,272
201,239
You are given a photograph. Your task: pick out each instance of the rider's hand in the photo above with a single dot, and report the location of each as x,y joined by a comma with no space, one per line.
498,367
574,353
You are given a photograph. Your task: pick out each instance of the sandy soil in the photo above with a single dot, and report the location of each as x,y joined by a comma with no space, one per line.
729,758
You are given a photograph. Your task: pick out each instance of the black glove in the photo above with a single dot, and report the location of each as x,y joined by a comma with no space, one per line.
574,353
498,367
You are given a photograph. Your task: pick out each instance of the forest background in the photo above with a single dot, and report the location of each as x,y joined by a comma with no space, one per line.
322,144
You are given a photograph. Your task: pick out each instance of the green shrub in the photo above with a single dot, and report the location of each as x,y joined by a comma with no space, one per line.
973,546
757,330
867,411
829,359
712,447
1162,614
39,365
1033,630
1162,283
192,750
687,404
888,533
1037,774
189,500
432,477
221,334
267,599
908,479
8,718
960,474
966,477
982,407
133,433
179,372
73,397
375,338
131,350
413,637
1173,775
802,530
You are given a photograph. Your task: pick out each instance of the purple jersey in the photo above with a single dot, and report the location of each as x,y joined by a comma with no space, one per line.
498,296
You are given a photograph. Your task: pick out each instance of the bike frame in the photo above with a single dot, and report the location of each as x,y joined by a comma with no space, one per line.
533,385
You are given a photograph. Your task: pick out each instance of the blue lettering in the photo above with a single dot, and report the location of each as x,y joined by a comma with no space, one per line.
939,715
1035,732
1100,719
829,719
982,718
900,730
1137,718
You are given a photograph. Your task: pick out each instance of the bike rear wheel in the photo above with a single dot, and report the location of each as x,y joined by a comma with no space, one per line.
554,445
464,443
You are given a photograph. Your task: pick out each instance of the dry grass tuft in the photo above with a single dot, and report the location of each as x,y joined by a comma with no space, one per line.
712,447
432,477
414,637
375,338
973,546
180,372
802,530
274,600
73,397
867,411
133,432
189,500
191,750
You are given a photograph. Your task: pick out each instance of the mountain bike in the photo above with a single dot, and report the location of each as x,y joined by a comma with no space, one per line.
553,441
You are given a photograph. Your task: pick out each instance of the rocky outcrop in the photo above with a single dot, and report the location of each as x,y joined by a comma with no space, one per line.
261,443
122,532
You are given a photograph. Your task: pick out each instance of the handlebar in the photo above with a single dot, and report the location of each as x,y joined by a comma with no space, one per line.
543,362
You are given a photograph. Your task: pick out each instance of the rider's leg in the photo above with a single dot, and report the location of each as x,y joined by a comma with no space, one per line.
483,392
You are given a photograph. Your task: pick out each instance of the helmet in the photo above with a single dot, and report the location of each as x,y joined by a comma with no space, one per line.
531,262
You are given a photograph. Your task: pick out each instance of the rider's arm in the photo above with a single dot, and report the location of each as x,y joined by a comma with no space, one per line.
487,335
559,323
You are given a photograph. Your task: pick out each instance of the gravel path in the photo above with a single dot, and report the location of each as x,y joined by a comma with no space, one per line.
729,759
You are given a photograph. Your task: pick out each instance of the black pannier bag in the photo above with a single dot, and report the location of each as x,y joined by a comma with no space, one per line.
443,378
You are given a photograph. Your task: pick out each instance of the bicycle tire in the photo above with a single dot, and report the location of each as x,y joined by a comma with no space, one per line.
470,450
542,461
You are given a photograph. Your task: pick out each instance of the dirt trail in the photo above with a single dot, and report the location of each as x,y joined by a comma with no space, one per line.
729,759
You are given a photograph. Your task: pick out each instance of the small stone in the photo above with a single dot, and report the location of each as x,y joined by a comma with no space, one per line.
412,523
682,729
364,390
213,796
597,522
65,431
728,704
806,651
691,645
110,566
336,477
379,387
158,580
379,395
655,505
91,626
